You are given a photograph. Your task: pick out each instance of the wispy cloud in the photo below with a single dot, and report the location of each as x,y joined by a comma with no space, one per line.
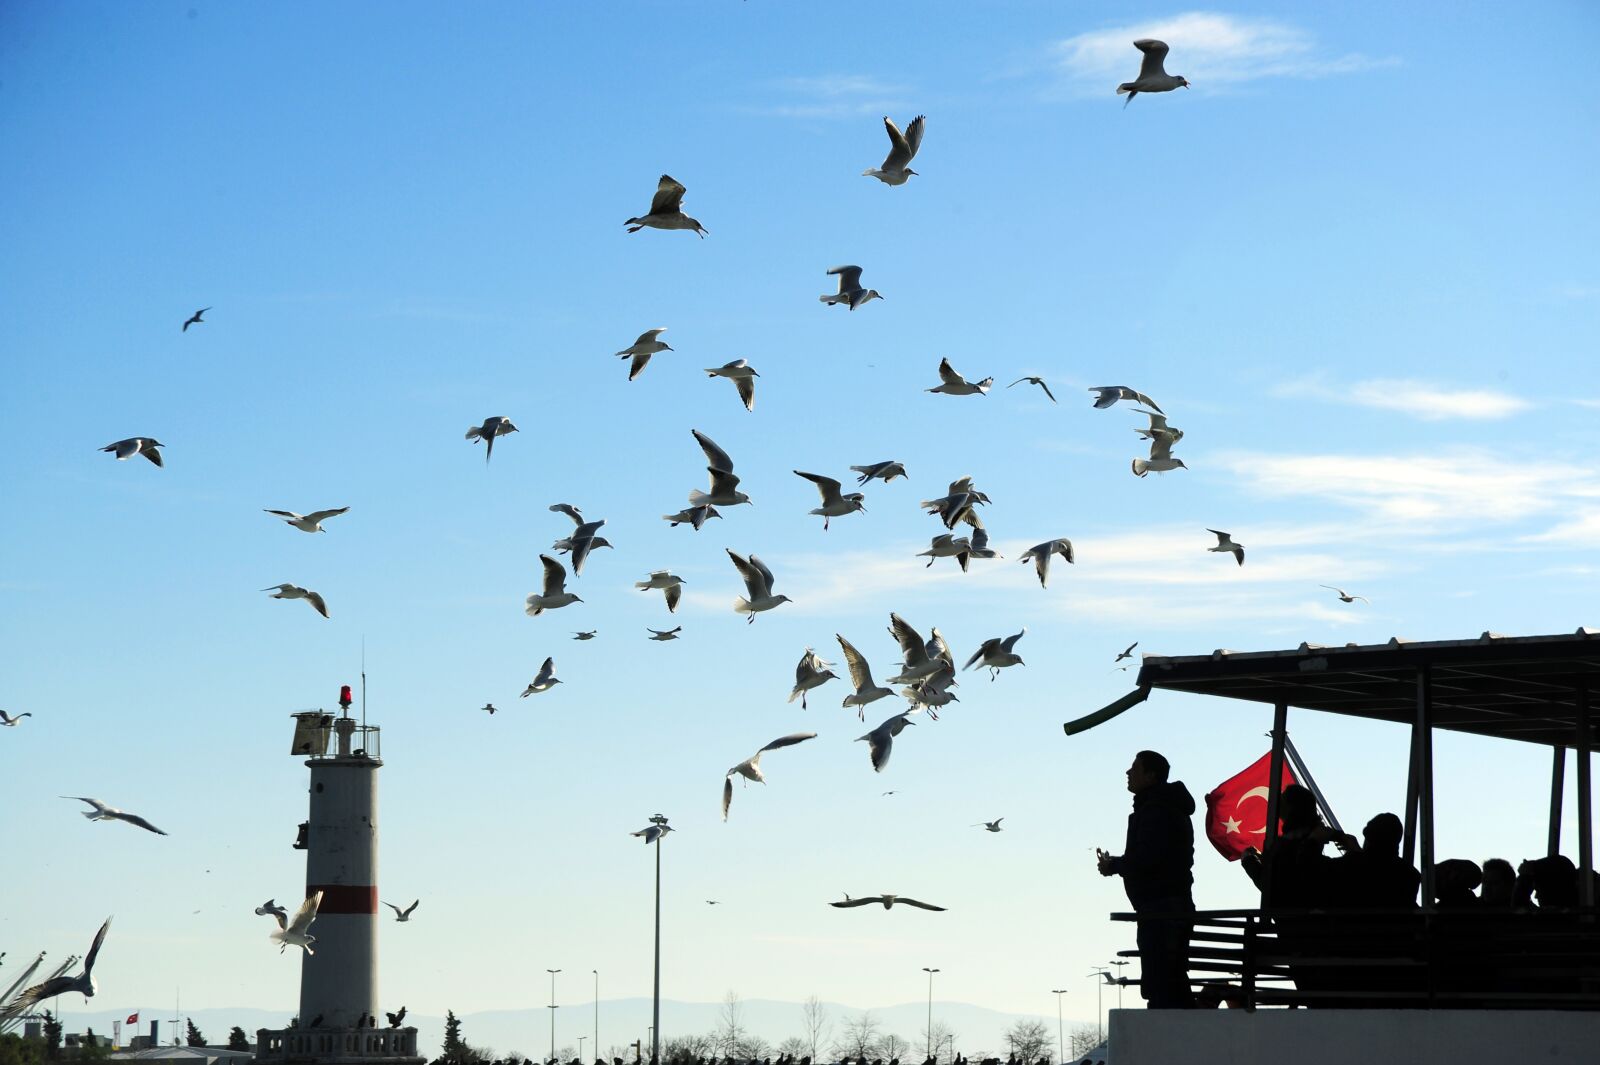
1209,48
832,96
1420,399
1580,531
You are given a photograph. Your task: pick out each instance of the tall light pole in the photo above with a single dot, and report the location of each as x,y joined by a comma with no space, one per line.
662,828
596,1013
1120,978
1099,986
552,973
1061,1043
581,1038
930,973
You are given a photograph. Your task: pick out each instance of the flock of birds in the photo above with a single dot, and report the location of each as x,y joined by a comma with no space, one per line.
927,667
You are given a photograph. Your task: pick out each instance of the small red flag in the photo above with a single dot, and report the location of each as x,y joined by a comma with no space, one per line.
1233,822
133,1018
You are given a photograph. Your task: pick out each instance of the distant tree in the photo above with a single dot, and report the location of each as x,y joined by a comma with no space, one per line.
52,1036
817,1025
1029,1040
684,1048
859,1037
237,1040
15,1050
192,1035
455,1050
1083,1038
892,1046
730,1034
934,1040
794,1047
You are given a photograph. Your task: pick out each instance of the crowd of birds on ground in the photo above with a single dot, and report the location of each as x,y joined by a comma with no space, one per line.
928,666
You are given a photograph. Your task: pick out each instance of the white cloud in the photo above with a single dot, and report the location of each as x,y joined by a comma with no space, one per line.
1420,399
1581,531
834,96
1209,48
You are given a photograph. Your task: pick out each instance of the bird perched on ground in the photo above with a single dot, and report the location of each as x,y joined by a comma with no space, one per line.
294,591
295,931
672,586
1034,381
542,683
743,376
692,516
194,319
991,826
1160,460
1126,652
880,741
271,907
395,1018
866,691
896,168
1225,544
311,523
83,983
591,634
137,445
554,594
758,581
9,721
499,425
834,504
953,384
1153,76
887,901
811,672
102,812
750,768
652,833
948,545
1340,592
724,482
641,350
1040,554
1110,394
662,636
850,293
666,210
489,707
885,471
996,654
402,915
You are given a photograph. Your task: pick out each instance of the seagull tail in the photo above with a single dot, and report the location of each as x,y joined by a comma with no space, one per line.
1140,467
742,605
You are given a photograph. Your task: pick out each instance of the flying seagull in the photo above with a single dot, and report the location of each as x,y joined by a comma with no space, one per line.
9,721
1126,653
271,907
641,350
811,672
554,594
750,768
666,210
850,293
663,635
499,425
743,376
1034,381
670,585
896,168
919,659
1040,554
294,591
758,582
724,482
934,691
958,504
948,545
194,319
1158,427
489,707
402,915
693,516
885,471
542,683
1153,76
1109,394
990,826
980,545
996,654
888,901
102,812
395,1019
83,983
311,523
860,676
1344,597
591,634
1225,543
137,445
880,741
1160,460
652,833
583,538
953,384
294,932
833,503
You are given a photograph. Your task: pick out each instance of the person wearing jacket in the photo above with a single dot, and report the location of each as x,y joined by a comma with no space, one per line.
1157,870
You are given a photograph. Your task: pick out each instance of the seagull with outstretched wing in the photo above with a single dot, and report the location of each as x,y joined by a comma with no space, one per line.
402,915
896,168
102,812
750,768
886,901
83,983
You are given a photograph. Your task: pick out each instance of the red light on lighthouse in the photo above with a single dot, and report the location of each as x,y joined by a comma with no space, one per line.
344,697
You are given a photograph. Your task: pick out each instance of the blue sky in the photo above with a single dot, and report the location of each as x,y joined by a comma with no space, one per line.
1355,263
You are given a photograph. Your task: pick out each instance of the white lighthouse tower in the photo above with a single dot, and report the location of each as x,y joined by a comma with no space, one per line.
340,1020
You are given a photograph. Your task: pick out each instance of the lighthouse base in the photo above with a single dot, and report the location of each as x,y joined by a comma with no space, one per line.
351,1046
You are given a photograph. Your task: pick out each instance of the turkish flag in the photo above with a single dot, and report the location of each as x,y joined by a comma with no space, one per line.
133,1018
1233,821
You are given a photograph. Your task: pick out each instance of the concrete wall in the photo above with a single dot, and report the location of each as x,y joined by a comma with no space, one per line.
340,982
1339,1037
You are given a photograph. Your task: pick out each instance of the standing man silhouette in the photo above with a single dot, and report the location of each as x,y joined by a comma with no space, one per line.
1157,870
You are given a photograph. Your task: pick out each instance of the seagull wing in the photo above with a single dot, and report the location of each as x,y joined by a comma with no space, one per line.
24,1002
875,900
849,277
1155,54
674,592
321,515
288,514
751,576
94,948
546,671
135,819
1160,447
766,574
1223,539
716,458
826,485
409,910
555,576
900,151
569,510
96,803
317,603
649,336
727,795
914,134
669,195
1041,384
396,909
948,375
860,671
901,900
1009,646
789,740
984,650
305,914
912,646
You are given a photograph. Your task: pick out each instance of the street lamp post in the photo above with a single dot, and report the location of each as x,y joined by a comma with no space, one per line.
552,973
581,1038
930,973
655,1010
1061,1043
1099,986
1121,980
596,1013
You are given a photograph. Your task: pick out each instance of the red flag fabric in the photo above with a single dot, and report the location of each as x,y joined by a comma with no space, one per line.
133,1018
1233,821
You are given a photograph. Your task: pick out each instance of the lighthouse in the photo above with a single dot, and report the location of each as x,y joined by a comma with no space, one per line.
339,1018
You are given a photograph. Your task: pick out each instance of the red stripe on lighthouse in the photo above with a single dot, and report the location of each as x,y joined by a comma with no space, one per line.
345,898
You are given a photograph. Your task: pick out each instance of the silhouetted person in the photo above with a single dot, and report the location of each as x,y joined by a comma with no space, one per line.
1499,884
1373,875
1547,884
1294,873
1454,882
1157,870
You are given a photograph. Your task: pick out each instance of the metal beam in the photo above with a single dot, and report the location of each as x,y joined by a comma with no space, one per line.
1558,788
1410,846
1280,730
1585,809
1425,778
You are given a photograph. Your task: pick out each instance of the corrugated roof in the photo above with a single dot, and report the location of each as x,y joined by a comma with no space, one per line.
1510,687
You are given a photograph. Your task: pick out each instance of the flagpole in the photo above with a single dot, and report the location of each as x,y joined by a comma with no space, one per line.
1310,782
